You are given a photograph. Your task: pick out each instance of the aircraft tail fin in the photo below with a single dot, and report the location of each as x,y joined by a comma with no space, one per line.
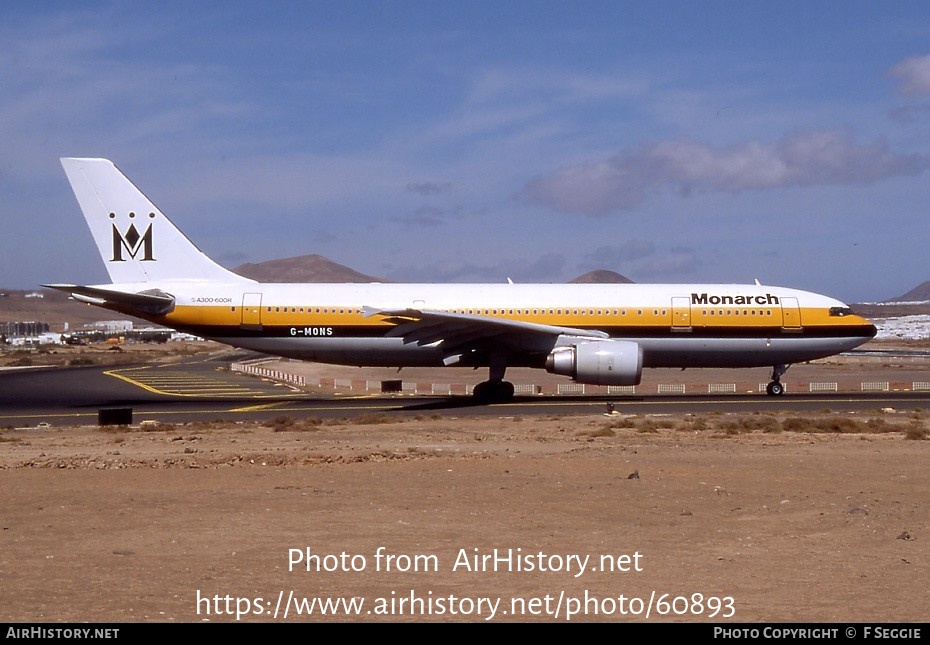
137,242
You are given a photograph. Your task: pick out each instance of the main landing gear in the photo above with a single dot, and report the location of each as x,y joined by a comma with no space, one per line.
495,389
775,388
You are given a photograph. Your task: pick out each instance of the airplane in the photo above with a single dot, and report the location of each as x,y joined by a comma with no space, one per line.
603,334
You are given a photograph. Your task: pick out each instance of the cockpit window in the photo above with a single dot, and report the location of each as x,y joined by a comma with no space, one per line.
841,311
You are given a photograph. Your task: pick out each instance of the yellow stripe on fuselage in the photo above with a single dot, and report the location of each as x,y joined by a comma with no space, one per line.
578,317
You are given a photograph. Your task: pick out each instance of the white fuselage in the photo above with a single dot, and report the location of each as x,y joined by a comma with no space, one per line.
704,325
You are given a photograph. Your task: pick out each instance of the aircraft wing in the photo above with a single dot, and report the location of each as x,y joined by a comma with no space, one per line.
457,333
153,301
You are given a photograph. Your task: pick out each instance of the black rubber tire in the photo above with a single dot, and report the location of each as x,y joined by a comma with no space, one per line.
493,391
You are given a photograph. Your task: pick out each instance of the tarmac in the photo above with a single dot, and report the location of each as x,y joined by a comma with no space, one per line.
871,371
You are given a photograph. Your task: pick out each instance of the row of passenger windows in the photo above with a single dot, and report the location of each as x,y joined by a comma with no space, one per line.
477,312
738,312
312,310
535,312
551,312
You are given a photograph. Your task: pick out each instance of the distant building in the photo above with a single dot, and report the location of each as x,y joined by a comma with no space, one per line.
47,338
23,329
111,325
183,336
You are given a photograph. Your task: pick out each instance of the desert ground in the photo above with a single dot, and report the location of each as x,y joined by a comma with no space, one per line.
782,517
764,518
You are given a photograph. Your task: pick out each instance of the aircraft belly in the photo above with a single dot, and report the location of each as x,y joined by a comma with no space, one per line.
739,352
364,352
657,352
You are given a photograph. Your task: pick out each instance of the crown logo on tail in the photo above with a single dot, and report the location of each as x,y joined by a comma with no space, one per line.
132,242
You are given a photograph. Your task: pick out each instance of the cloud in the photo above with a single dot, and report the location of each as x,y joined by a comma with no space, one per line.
909,114
428,188
546,268
417,221
622,182
677,262
914,75
641,258
550,86
616,257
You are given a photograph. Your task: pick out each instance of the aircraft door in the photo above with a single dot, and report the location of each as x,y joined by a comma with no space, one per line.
791,314
251,311
681,313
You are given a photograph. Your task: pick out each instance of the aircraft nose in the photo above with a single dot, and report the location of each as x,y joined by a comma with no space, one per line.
867,327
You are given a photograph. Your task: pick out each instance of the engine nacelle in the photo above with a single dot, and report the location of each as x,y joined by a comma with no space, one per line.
602,362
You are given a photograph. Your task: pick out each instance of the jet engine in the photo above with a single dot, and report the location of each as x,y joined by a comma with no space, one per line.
605,362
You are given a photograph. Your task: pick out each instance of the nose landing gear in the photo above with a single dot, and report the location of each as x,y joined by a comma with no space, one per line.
775,388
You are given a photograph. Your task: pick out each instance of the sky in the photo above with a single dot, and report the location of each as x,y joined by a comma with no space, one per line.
716,142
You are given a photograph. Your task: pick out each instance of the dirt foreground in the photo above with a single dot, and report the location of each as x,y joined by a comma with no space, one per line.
747,518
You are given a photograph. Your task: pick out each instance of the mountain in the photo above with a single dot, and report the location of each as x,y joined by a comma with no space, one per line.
316,268
601,276
915,302
920,293
303,268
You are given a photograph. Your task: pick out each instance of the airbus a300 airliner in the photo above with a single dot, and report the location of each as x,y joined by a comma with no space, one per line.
593,333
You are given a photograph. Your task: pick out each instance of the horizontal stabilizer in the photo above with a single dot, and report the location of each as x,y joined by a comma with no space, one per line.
151,302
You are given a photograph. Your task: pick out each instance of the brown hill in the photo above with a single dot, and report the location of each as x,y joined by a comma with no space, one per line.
601,276
913,303
303,268
920,293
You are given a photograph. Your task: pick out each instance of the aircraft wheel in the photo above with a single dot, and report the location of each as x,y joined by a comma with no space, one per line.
481,391
493,391
775,388
505,390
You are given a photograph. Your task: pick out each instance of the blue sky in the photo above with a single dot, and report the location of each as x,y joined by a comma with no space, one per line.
480,141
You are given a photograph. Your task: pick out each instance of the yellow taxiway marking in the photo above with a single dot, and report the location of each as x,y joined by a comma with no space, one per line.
133,381
181,384
259,407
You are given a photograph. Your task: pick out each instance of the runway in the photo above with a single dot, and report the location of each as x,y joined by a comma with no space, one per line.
205,390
